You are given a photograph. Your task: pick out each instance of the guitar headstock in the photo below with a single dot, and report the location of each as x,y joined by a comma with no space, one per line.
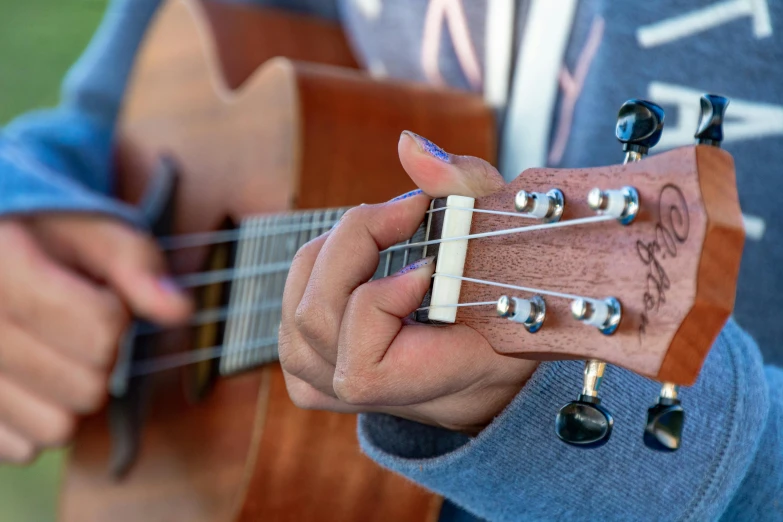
639,270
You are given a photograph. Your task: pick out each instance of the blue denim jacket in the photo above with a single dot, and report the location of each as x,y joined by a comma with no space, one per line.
730,466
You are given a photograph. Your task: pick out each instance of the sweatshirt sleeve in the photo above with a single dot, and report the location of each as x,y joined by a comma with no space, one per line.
517,469
60,159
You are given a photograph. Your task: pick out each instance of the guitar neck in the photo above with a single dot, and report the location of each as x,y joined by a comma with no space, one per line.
265,249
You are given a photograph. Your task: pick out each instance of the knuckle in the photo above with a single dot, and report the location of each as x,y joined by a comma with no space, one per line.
91,394
57,430
361,297
315,323
19,455
307,250
290,356
354,214
306,397
22,249
357,215
355,388
134,251
15,234
24,454
108,331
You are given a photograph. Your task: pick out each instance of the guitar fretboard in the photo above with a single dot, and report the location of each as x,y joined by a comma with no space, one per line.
266,246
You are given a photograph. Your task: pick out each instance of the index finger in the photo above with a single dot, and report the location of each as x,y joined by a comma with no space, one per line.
384,360
59,307
349,258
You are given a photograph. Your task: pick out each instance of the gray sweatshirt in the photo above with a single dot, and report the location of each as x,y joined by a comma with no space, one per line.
569,68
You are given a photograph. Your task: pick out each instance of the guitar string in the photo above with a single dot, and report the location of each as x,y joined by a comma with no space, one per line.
507,231
221,276
515,287
203,354
198,239
169,362
214,315
458,305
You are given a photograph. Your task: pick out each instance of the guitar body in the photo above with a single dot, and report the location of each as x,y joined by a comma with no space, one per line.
252,134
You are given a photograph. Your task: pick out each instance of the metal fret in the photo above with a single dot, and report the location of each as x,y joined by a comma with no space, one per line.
273,241
406,254
234,331
257,323
387,268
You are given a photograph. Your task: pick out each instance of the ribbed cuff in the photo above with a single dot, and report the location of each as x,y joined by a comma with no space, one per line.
517,469
28,187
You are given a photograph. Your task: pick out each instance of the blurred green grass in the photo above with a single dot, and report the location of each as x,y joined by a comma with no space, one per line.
39,40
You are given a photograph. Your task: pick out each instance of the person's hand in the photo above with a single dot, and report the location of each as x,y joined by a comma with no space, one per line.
345,344
68,287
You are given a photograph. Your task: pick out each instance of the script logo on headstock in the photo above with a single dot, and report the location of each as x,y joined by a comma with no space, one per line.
671,230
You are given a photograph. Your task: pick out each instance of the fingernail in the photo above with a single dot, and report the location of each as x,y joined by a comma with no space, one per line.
168,285
408,195
415,266
430,148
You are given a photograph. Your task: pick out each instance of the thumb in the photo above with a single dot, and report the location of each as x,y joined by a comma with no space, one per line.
383,359
439,173
125,259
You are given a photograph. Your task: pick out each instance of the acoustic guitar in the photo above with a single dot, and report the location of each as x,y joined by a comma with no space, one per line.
269,130
632,264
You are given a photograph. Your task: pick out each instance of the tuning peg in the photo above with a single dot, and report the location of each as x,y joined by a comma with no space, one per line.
584,422
603,314
622,204
547,207
639,127
710,130
665,420
530,313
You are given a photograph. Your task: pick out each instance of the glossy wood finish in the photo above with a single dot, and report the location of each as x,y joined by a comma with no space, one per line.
290,136
718,269
192,463
676,283
310,468
234,26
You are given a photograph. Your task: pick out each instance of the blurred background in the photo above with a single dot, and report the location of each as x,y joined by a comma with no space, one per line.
39,40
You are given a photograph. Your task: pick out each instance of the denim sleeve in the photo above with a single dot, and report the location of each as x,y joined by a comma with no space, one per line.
517,469
60,159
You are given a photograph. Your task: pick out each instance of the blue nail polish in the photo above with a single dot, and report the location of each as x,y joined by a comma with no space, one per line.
430,148
415,266
168,285
408,195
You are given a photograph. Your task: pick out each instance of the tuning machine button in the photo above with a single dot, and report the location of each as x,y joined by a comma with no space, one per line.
584,422
530,313
639,127
621,204
603,314
665,420
546,207
713,109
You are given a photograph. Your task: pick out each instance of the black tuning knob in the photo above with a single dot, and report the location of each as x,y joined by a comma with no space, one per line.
584,423
639,125
713,108
664,425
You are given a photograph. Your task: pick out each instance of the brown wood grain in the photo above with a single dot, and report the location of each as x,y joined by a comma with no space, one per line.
289,136
718,269
245,37
310,468
603,259
192,460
